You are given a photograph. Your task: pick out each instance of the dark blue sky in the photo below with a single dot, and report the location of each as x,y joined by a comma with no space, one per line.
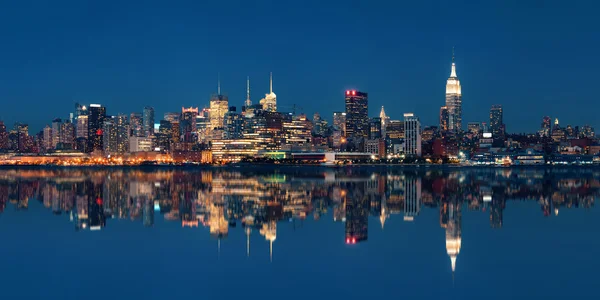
534,57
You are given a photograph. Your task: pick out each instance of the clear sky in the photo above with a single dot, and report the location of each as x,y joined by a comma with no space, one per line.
535,58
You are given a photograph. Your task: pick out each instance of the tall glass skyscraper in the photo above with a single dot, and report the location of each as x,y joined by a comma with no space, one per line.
96,117
454,100
496,123
148,121
357,114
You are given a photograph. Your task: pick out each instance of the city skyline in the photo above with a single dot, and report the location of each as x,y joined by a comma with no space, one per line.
81,64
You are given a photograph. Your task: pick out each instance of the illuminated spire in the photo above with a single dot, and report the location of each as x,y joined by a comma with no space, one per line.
453,73
248,101
271,83
218,83
382,113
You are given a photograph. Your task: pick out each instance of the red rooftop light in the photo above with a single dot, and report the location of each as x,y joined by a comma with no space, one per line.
353,93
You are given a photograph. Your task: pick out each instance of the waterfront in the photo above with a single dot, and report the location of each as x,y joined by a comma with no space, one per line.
298,232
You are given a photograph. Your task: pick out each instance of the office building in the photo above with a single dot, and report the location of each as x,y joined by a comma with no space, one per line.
357,114
412,142
148,121
376,129
67,135
219,106
136,124
82,126
96,116
233,124
56,125
496,123
454,100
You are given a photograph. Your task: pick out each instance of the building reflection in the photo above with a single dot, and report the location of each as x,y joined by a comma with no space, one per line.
260,200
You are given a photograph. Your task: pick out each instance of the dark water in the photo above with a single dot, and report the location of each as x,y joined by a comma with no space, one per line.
299,233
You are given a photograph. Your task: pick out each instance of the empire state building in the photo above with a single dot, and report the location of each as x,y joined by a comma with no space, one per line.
453,100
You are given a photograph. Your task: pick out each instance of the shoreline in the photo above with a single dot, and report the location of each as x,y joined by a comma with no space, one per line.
300,166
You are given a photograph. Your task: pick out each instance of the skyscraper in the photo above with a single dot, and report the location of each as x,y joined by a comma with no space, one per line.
122,133
148,121
136,126
3,136
496,124
454,100
219,106
269,102
412,197
412,142
56,125
233,124
82,126
357,114
97,114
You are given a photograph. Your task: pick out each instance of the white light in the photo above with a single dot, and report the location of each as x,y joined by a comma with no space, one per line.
95,105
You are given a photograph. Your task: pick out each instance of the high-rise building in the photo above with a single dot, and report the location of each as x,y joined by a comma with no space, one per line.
376,130
122,133
248,102
233,124
297,130
136,124
269,102
67,135
219,106
357,114
188,119
109,136
496,123
394,130
412,142
384,121
444,118
164,136
320,125
454,100
96,116
148,121
339,122
82,126
56,125
48,138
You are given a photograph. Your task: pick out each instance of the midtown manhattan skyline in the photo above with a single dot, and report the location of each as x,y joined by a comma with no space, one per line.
534,61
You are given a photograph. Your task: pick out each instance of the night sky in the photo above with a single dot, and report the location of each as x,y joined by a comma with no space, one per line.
535,58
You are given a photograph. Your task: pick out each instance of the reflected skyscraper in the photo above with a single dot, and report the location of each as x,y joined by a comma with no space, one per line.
412,198
453,225
357,213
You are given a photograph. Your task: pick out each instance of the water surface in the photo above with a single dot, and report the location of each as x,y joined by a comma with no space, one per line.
299,233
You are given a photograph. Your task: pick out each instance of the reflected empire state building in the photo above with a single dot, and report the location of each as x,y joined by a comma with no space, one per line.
267,200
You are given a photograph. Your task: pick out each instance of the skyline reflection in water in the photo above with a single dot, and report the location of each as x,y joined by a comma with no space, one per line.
221,202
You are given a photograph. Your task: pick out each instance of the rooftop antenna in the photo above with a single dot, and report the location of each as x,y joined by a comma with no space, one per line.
271,82
219,83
